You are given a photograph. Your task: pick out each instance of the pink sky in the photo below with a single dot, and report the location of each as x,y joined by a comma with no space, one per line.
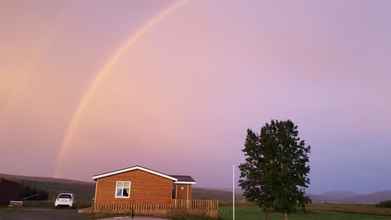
181,98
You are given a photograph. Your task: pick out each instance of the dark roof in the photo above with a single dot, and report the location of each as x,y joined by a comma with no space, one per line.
182,178
176,178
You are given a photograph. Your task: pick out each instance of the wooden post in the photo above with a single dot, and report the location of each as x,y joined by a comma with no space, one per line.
96,190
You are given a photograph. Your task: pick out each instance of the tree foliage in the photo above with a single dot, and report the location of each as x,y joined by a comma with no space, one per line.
275,174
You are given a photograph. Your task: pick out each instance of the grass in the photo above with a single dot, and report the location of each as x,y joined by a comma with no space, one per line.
351,208
250,213
255,213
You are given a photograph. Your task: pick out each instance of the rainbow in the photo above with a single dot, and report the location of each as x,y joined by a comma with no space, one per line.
103,74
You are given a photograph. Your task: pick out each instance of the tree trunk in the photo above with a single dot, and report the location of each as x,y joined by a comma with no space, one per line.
285,216
267,215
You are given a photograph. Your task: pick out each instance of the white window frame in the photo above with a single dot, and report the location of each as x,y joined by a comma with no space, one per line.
116,187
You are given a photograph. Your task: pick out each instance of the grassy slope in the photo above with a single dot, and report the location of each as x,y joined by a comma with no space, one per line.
254,213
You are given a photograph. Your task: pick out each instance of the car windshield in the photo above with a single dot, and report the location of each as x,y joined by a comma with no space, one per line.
64,196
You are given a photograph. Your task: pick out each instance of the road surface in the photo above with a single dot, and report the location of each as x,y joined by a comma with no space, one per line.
52,214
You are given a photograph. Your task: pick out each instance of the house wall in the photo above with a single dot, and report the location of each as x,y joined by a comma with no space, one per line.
184,191
145,187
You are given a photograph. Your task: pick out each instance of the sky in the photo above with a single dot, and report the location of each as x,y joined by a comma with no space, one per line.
92,86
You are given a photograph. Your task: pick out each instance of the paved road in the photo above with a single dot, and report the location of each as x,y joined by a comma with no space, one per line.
40,214
52,214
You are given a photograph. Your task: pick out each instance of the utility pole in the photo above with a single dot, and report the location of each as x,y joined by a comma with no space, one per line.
233,192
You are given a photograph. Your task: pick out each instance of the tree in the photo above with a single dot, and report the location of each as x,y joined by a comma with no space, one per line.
275,174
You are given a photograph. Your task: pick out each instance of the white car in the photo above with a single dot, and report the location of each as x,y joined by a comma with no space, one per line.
64,200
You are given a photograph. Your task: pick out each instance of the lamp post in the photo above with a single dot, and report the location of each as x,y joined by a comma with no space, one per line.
233,192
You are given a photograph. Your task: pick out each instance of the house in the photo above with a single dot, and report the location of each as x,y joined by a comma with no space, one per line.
139,184
9,191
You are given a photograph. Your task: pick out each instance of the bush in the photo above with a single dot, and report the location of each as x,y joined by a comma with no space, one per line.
29,193
384,204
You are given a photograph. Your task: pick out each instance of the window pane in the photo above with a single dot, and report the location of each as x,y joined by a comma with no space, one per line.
119,192
65,196
125,192
120,184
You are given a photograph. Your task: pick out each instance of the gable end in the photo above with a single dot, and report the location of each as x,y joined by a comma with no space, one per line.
103,175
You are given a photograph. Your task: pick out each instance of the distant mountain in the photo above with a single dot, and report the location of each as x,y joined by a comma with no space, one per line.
371,197
205,193
333,196
351,197
19,178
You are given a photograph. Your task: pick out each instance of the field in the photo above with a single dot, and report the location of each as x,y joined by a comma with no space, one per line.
317,212
351,208
314,212
254,213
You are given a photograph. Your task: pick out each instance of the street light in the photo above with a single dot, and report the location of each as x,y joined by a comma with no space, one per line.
233,192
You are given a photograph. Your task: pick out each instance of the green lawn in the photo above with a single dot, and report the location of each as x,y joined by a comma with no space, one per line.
254,213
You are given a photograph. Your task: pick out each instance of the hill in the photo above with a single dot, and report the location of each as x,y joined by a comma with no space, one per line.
206,193
351,197
375,197
332,196
85,190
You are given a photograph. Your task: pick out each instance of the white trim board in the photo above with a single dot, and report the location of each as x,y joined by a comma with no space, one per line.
133,168
183,182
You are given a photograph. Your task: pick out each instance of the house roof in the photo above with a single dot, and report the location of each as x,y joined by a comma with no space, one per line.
184,179
179,179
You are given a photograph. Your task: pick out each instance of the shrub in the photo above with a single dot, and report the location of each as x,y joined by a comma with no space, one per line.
29,193
384,204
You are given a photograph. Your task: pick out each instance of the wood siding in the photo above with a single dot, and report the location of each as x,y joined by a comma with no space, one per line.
184,191
145,187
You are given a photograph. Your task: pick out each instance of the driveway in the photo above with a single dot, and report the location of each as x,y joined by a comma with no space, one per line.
40,214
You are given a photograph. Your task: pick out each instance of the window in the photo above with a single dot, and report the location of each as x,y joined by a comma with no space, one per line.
64,196
122,189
